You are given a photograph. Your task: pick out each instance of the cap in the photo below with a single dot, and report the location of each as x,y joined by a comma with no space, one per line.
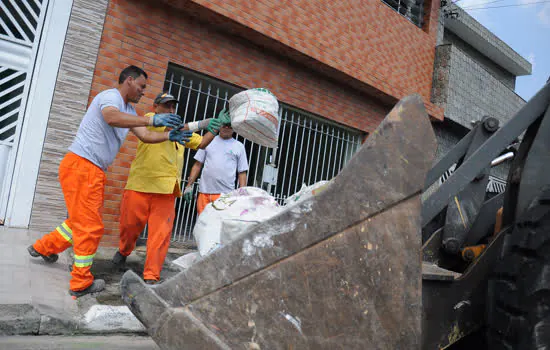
164,97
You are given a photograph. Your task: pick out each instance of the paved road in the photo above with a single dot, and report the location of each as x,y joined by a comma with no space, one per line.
42,342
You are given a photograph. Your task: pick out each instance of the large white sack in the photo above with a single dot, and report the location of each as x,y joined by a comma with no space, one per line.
231,215
255,116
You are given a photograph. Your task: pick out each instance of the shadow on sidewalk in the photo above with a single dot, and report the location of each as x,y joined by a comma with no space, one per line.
103,268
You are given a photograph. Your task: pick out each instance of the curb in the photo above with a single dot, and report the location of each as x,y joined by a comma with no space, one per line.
24,319
19,319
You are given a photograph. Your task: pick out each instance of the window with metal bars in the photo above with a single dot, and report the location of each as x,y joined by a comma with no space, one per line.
310,148
12,83
413,10
19,19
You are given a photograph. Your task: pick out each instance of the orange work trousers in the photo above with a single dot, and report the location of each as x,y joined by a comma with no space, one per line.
82,184
203,200
156,210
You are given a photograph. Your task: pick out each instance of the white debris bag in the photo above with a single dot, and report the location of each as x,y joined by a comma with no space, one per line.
306,192
255,116
231,215
185,261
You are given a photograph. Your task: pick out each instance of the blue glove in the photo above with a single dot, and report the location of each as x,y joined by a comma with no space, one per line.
166,119
180,136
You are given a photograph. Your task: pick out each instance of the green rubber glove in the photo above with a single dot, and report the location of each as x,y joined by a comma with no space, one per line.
214,126
224,117
188,194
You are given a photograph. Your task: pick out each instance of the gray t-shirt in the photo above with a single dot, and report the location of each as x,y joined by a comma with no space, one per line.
222,160
96,140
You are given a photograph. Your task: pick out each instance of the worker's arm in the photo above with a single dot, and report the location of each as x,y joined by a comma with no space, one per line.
242,166
149,136
114,117
212,125
195,171
242,179
206,139
196,141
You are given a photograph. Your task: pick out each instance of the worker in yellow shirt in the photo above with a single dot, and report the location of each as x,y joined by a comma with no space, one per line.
154,184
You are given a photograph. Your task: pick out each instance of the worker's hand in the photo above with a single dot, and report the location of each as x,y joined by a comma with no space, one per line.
180,136
215,124
224,117
169,120
188,194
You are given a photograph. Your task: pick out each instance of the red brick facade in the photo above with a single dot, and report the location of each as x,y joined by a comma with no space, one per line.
349,60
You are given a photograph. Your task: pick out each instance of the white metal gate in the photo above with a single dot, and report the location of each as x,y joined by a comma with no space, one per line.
495,185
310,149
21,24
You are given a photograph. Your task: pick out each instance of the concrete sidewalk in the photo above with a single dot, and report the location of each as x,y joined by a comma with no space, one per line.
34,296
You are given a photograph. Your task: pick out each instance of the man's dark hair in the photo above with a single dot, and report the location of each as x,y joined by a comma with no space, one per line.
131,71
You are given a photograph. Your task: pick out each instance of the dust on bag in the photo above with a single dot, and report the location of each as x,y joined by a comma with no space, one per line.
306,192
255,116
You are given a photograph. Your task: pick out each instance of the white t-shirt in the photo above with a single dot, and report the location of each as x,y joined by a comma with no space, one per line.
222,160
96,140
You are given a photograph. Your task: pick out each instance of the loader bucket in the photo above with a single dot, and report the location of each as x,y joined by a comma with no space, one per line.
341,270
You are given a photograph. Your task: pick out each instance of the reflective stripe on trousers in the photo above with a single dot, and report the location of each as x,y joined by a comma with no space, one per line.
56,241
65,231
83,260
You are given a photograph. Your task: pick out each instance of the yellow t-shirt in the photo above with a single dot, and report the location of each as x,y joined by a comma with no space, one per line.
157,167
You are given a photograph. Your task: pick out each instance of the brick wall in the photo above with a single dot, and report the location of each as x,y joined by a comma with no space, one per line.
364,39
150,36
489,65
468,91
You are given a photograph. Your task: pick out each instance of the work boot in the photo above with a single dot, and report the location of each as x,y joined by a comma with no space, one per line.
119,260
152,282
95,287
50,259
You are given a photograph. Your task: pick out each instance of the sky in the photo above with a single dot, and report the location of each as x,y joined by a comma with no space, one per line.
525,28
